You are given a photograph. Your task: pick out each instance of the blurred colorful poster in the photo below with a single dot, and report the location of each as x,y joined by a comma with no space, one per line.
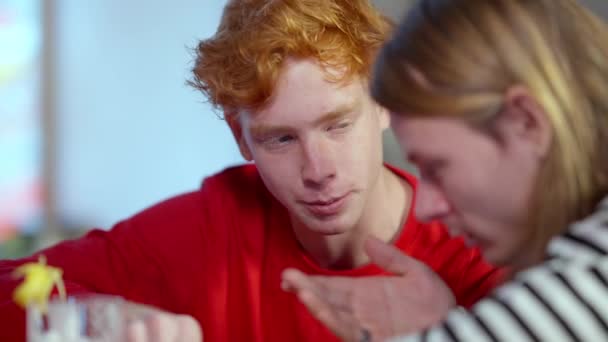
20,117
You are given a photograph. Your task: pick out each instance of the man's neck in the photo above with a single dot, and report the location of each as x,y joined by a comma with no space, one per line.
383,217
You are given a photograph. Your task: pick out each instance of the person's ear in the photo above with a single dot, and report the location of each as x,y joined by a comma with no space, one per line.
523,118
234,122
384,117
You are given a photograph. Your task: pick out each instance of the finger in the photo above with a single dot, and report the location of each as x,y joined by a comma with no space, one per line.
290,280
136,332
161,327
296,281
389,257
136,311
189,329
341,326
336,291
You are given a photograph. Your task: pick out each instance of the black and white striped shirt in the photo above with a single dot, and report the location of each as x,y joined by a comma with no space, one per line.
563,299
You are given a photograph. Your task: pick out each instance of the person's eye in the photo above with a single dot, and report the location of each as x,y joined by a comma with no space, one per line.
428,175
431,173
340,126
279,141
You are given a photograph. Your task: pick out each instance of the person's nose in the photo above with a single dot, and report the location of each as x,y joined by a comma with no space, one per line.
431,203
318,165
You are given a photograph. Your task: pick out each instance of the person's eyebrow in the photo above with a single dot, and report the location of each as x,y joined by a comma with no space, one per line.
265,130
424,161
337,113
416,158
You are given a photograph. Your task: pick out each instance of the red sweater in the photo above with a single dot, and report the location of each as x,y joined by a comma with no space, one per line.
217,254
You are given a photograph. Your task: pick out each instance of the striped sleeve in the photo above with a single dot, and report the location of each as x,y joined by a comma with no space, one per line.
546,303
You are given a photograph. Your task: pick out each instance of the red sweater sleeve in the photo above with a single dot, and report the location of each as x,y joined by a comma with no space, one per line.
462,268
134,259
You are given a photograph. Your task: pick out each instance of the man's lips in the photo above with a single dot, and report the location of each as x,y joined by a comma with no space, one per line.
475,241
326,207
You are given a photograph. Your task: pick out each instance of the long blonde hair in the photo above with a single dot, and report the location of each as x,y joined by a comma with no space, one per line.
471,51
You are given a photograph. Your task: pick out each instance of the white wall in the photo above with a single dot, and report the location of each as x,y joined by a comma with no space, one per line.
129,131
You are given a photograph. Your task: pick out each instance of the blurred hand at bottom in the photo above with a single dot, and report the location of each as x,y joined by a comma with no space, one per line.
148,324
374,308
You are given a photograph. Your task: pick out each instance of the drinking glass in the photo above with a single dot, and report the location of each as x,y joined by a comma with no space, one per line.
91,318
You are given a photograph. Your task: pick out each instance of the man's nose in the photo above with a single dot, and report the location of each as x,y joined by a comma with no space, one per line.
431,204
318,166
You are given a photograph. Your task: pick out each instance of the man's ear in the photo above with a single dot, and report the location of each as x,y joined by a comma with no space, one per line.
234,122
384,117
524,118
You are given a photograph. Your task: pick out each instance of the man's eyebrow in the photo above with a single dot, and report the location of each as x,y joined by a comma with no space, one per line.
264,130
424,161
337,112
416,158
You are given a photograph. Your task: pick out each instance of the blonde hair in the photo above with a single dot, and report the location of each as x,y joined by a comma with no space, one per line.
470,52
238,67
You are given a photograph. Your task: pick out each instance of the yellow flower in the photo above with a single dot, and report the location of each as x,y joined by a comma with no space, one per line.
38,283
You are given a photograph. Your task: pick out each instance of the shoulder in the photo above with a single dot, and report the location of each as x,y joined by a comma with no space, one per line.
234,186
240,187
585,240
560,287
240,179
548,302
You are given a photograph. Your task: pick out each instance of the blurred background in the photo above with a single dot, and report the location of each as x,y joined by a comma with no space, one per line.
96,120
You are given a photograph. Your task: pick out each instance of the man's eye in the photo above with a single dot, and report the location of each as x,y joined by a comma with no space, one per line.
339,126
284,138
278,141
431,173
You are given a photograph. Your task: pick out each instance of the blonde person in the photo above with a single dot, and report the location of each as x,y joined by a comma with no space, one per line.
503,105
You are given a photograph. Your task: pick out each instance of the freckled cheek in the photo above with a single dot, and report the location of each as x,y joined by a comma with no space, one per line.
278,172
352,153
363,142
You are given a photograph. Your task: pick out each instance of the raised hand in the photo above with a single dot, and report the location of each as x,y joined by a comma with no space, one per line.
378,307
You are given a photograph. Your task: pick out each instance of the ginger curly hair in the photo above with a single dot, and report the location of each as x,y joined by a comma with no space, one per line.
237,68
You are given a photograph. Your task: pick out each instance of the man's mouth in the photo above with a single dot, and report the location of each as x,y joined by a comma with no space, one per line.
470,240
326,207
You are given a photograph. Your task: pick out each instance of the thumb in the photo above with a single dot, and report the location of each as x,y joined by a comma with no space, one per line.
389,257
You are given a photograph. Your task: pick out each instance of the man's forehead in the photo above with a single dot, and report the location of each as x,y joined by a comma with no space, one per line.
329,72
322,113
304,85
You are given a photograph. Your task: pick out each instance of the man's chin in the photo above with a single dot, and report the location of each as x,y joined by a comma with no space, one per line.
502,258
328,230
329,226
493,256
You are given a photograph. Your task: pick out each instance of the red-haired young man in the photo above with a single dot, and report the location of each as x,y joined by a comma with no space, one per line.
291,79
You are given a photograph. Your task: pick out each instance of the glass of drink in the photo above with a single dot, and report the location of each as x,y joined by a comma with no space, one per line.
91,318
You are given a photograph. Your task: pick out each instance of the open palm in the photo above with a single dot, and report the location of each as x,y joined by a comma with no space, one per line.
377,307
